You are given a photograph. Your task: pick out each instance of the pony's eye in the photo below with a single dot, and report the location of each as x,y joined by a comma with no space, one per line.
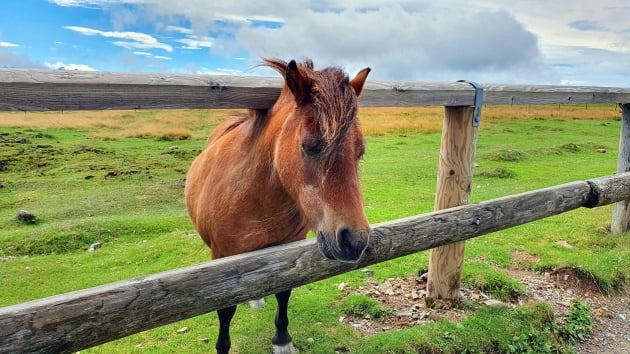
312,147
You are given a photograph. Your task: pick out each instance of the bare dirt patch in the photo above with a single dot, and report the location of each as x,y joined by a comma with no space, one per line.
611,313
525,257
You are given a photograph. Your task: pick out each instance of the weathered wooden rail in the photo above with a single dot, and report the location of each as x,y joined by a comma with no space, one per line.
89,317
81,319
30,90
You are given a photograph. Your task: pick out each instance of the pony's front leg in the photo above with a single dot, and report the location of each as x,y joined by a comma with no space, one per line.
282,340
223,342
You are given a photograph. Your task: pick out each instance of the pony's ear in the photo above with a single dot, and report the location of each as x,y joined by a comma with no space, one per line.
359,80
299,84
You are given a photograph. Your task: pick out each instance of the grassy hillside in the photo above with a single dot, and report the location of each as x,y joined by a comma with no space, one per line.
116,178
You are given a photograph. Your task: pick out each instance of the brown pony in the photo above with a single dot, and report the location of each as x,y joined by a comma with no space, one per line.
268,178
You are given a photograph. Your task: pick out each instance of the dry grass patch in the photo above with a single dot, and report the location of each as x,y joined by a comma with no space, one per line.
400,120
409,120
378,121
57,119
552,111
121,123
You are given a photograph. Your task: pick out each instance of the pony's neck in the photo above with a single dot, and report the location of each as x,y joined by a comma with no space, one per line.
284,210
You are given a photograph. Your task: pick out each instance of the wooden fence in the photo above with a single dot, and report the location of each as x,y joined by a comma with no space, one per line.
44,90
77,320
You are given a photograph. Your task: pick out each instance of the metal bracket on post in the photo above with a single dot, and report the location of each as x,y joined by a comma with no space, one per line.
478,102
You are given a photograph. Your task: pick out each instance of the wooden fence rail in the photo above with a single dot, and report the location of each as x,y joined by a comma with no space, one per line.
85,318
40,90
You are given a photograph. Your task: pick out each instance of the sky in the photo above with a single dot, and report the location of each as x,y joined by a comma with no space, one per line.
556,42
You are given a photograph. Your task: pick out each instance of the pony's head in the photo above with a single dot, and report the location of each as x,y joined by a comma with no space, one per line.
317,153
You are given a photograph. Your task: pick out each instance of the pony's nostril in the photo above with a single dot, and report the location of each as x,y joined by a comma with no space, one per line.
345,238
350,245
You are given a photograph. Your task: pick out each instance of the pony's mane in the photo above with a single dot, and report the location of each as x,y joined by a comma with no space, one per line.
334,102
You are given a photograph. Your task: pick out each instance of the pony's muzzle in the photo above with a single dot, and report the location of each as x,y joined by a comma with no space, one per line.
345,246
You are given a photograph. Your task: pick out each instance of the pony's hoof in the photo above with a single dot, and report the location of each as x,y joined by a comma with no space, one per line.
284,349
257,304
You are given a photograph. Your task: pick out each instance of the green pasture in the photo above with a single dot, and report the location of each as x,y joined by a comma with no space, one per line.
127,194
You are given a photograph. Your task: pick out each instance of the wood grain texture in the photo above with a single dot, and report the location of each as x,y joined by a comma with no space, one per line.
495,94
30,90
621,210
81,319
609,189
455,172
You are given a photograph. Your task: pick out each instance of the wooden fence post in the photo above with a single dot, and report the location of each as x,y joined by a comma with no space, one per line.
621,210
457,155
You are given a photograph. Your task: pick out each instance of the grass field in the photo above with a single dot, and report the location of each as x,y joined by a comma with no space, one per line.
116,177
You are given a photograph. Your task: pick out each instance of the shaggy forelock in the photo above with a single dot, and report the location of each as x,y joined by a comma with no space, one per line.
334,102
334,107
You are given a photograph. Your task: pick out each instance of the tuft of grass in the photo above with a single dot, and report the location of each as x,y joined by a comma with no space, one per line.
558,338
161,133
532,341
570,147
492,281
578,323
359,305
497,172
505,155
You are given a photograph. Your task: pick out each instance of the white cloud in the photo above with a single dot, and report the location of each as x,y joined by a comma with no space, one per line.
134,40
402,43
192,41
179,29
195,42
7,44
576,22
69,3
62,66
149,55
523,41
143,45
401,40
93,3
